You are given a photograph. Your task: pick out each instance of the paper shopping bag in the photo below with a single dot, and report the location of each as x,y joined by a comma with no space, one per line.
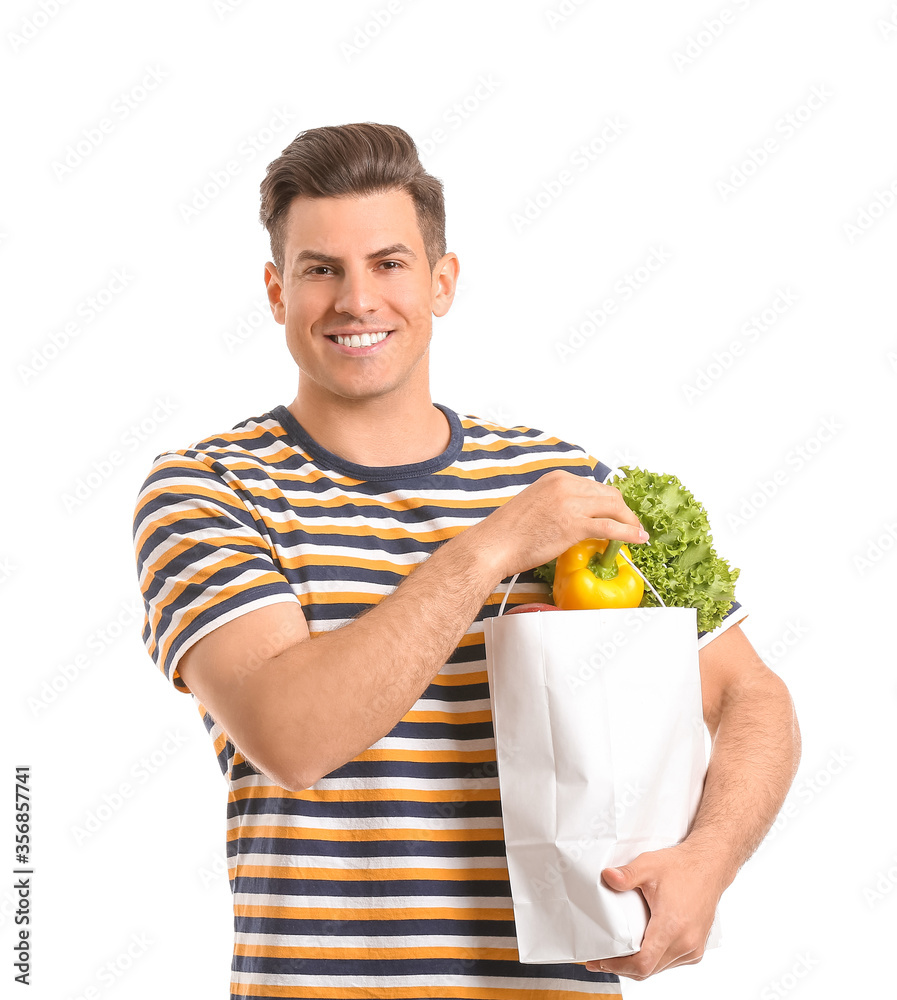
600,747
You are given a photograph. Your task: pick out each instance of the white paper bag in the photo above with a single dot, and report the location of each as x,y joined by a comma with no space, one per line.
600,745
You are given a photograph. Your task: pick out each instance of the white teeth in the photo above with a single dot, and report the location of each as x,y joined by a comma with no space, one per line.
365,340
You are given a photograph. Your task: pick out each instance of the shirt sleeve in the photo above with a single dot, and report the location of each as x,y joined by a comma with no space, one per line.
736,612
202,560
734,616
601,471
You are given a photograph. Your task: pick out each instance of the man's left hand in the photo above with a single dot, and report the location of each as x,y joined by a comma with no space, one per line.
682,895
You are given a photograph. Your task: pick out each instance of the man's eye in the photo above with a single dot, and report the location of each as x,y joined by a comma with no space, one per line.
391,265
320,269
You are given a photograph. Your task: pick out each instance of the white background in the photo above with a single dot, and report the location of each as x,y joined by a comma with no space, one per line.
786,435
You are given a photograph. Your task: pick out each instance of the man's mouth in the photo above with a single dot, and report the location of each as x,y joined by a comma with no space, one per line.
361,340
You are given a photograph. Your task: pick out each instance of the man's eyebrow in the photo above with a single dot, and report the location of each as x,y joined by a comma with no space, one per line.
393,250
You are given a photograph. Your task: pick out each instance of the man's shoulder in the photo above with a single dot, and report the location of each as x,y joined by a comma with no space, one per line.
254,441
478,426
502,439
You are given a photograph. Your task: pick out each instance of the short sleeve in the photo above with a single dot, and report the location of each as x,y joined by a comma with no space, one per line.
734,616
600,471
736,612
201,559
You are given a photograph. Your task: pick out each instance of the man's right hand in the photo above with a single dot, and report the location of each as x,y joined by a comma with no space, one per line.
545,519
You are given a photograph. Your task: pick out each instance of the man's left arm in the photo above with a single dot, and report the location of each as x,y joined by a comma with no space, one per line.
754,757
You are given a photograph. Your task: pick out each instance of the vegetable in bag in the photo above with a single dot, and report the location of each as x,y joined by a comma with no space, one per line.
679,559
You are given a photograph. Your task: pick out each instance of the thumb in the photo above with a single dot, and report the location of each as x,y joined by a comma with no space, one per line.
625,877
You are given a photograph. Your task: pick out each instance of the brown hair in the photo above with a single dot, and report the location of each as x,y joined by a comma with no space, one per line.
340,160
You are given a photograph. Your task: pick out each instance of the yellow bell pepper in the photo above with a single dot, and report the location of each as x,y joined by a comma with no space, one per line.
592,575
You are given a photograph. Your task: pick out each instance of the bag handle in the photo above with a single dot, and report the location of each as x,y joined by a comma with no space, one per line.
644,578
621,552
507,591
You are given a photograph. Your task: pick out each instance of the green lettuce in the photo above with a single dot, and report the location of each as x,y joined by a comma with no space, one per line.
679,559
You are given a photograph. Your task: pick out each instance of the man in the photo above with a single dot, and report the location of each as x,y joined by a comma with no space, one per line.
317,578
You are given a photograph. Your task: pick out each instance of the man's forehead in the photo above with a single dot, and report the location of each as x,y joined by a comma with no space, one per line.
352,223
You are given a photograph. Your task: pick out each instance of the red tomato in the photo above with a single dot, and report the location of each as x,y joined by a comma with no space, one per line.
521,608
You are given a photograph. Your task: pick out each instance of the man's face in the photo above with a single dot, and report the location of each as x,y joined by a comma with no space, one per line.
357,267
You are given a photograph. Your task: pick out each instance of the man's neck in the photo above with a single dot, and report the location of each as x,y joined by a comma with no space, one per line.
375,432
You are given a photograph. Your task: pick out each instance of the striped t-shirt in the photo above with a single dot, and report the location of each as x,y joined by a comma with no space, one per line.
387,878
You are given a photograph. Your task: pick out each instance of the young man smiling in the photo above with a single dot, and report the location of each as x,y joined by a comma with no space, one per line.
317,578
356,267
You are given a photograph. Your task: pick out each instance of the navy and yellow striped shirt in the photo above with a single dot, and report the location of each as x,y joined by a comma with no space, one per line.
387,878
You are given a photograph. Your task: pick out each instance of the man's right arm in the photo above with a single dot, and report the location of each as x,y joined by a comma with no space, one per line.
307,706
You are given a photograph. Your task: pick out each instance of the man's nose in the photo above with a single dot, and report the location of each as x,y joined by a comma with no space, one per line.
357,292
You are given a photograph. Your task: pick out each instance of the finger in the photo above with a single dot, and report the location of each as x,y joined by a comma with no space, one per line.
608,502
621,531
666,944
626,876
642,964
639,967
652,958
593,499
675,955
642,873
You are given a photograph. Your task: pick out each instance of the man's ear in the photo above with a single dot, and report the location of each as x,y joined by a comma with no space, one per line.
445,281
274,288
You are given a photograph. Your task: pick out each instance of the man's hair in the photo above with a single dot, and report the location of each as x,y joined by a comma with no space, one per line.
344,160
